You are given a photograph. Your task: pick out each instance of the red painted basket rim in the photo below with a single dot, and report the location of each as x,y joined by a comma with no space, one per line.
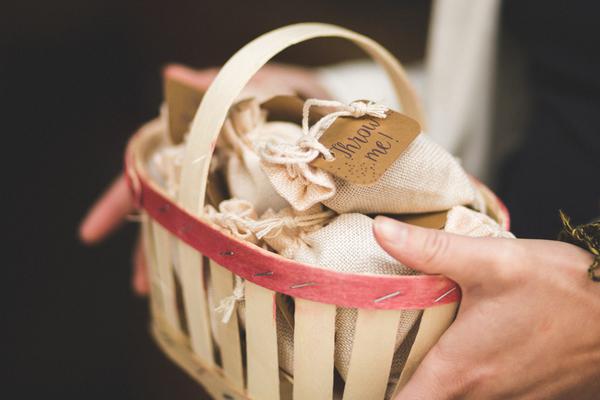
275,272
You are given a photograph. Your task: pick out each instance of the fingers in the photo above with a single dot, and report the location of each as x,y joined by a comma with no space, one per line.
196,78
105,216
108,212
461,258
139,279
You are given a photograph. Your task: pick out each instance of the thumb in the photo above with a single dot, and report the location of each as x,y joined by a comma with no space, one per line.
461,258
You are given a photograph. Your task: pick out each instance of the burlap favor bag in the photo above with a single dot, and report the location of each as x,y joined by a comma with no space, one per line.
424,178
285,232
234,216
238,218
347,244
464,221
244,129
165,164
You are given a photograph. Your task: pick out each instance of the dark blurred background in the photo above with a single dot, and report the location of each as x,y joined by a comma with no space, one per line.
78,77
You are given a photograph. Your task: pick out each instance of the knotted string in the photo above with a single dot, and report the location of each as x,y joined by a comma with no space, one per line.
272,227
235,215
227,305
308,147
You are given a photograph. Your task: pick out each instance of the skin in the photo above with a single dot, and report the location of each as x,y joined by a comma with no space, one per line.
528,326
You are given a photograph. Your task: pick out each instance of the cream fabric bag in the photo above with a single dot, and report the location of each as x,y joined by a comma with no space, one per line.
238,218
245,128
347,244
286,232
424,178
165,167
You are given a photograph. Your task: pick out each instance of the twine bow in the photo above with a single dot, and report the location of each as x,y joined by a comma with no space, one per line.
308,147
272,227
227,305
235,215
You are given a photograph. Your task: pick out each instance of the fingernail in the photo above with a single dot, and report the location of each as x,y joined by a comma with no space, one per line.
390,230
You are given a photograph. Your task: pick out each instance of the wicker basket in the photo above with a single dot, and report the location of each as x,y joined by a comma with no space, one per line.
245,366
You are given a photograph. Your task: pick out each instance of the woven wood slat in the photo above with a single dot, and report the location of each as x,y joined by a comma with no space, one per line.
261,343
229,333
314,343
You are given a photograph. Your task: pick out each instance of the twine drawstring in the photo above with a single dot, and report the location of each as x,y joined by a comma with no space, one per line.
235,215
308,147
272,227
227,305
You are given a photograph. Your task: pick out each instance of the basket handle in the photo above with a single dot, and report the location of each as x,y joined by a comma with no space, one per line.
236,73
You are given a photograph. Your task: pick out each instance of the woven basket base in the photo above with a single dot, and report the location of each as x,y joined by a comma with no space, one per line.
177,347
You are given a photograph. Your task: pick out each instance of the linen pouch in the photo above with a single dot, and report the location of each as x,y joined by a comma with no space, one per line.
347,244
424,178
238,218
244,129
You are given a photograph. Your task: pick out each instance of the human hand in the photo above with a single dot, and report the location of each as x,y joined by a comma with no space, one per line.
116,203
528,326
105,216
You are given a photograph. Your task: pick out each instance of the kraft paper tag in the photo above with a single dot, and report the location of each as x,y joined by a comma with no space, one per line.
364,148
289,108
432,220
284,108
182,100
